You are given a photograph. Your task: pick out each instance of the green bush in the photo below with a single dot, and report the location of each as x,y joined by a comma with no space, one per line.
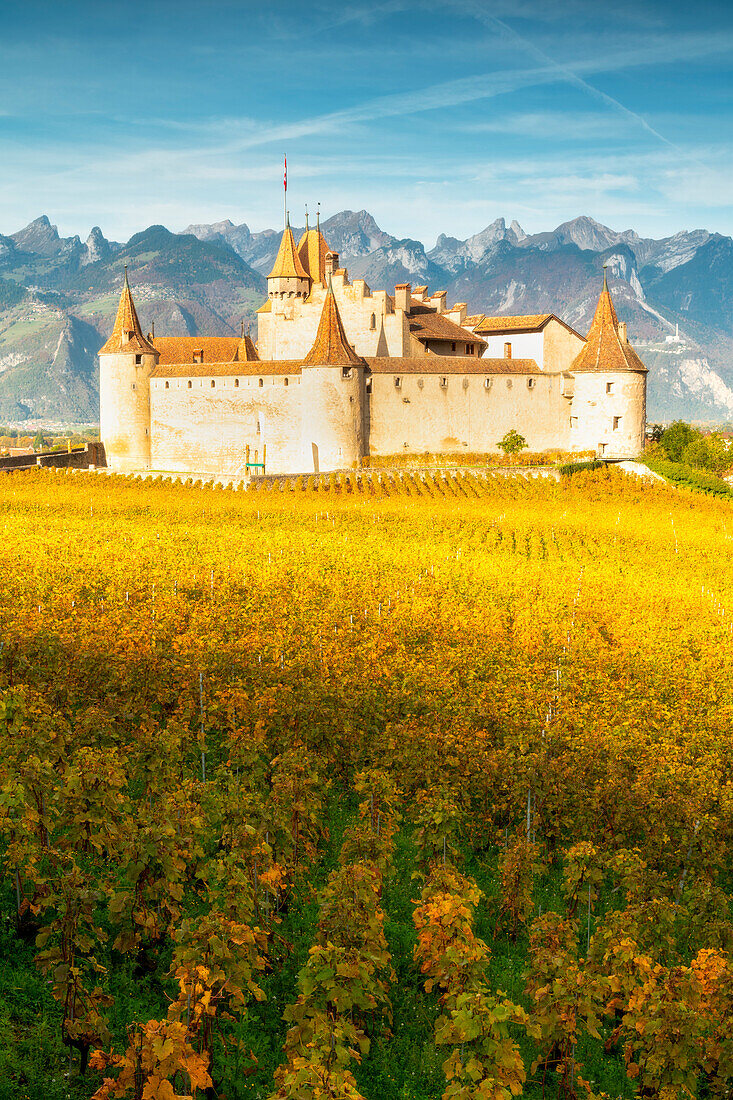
571,468
680,473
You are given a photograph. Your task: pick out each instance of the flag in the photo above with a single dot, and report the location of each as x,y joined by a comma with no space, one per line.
285,176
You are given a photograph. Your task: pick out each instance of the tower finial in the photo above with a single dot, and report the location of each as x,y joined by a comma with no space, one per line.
242,331
318,218
605,280
126,282
306,217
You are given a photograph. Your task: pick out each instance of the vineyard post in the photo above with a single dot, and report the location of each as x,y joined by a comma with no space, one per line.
201,709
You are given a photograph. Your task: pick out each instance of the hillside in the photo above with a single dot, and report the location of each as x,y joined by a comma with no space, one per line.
58,295
368,792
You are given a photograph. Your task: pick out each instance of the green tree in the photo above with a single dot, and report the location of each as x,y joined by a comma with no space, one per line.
677,438
512,443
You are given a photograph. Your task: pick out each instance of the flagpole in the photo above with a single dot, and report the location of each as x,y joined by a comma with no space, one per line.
285,191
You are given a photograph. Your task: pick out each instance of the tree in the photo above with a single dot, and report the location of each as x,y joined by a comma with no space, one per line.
677,438
512,443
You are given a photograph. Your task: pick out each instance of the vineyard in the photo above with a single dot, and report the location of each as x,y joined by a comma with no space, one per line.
397,789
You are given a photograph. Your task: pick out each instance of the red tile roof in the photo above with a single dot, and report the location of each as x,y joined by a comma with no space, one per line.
331,346
126,334
604,350
451,364
426,324
213,349
287,263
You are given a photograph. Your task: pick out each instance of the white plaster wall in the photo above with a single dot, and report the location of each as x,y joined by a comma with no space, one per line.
593,410
206,429
289,330
525,345
333,427
124,409
468,418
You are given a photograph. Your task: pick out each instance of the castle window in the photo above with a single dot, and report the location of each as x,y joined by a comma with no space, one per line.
134,386
507,351
573,421
453,346
286,381
347,372
373,321
509,383
261,382
213,383
167,385
190,383
616,423
444,382
487,383
397,382
469,349
236,383
609,387
368,386
530,383
138,360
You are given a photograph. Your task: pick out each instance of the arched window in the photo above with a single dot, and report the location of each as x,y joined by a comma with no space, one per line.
373,321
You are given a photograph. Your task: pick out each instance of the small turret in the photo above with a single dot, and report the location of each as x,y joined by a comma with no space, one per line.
288,278
333,380
126,362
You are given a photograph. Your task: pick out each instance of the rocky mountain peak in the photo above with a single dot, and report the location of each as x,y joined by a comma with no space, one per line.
39,236
355,233
97,247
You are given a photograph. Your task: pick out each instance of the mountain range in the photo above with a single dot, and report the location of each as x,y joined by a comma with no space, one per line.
58,297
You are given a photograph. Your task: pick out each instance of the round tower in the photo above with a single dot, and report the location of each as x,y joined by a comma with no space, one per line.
608,413
333,397
126,362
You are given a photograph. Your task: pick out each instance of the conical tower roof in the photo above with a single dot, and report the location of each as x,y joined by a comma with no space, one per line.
331,347
312,251
127,334
604,350
288,264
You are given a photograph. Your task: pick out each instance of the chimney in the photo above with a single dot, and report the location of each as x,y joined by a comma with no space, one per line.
402,295
622,334
438,300
331,263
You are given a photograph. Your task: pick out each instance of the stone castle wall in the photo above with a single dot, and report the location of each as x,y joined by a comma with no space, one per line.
466,415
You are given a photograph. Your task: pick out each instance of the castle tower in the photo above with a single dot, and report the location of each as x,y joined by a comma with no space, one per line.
312,252
608,412
288,279
333,397
126,362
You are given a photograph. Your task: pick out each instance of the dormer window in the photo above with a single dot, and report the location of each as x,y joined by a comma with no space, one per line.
198,355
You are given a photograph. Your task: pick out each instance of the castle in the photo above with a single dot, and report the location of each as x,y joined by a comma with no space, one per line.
340,372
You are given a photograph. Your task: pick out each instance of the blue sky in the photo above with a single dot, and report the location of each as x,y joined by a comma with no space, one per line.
436,117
